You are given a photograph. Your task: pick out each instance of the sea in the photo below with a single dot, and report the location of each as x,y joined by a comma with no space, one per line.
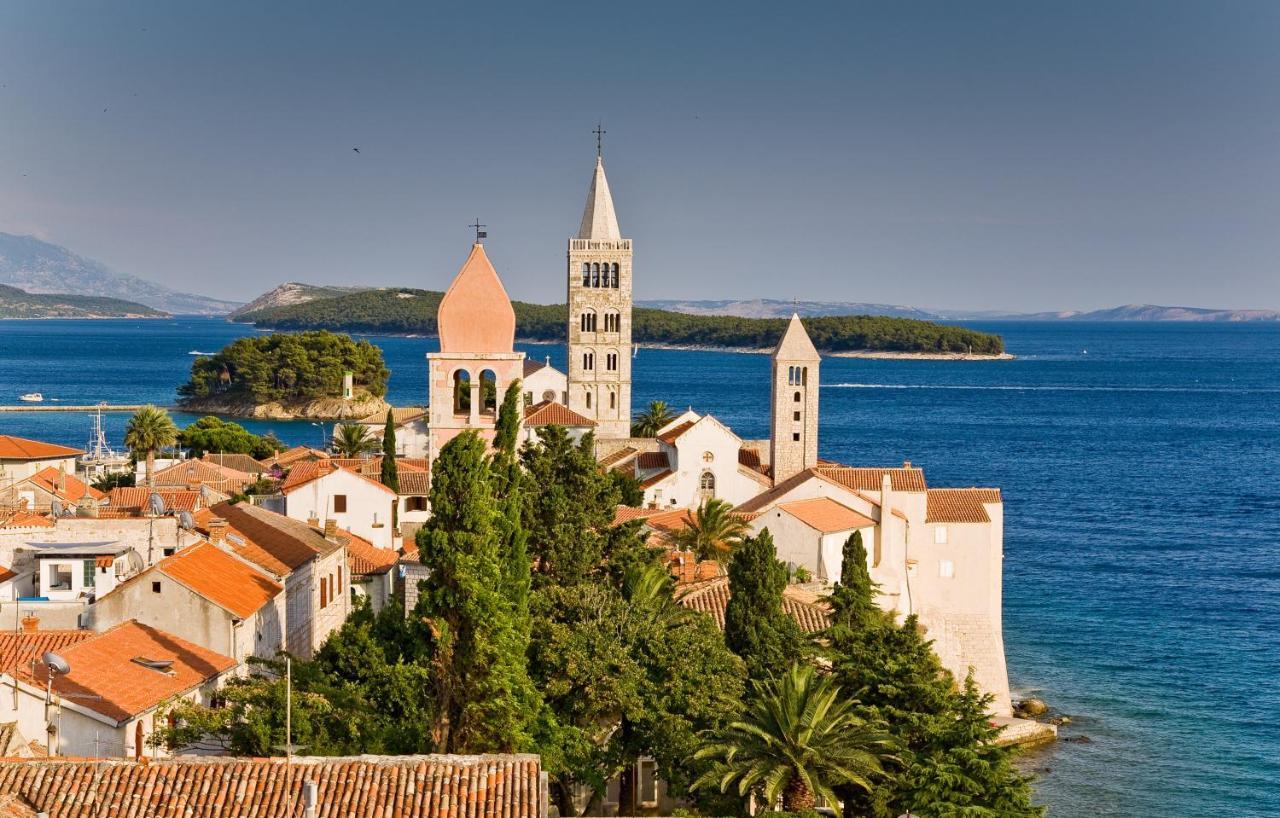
1140,464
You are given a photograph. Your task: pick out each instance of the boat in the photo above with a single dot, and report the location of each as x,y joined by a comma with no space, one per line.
32,397
205,354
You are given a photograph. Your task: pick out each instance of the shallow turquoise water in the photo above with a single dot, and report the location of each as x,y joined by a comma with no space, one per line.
1142,490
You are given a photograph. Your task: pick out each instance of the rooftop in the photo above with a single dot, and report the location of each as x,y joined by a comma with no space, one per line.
366,559
826,515
475,314
271,540
553,413
221,578
712,597
959,505
21,448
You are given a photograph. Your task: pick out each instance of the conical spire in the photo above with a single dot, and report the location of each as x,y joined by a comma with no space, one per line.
598,219
795,344
475,315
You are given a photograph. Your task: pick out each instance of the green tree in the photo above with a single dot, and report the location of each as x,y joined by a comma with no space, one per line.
852,600
653,418
755,626
799,738
508,479
286,367
713,531
148,431
354,440
390,475
213,434
484,699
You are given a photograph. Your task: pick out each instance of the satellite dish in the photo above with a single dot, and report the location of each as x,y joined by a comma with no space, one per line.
186,521
56,507
155,505
56,664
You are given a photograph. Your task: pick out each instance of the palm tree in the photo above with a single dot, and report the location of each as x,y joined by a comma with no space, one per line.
149,430
652,419
713,531
354,440
797,738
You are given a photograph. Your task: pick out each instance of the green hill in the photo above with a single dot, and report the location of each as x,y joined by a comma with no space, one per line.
410,311
16,303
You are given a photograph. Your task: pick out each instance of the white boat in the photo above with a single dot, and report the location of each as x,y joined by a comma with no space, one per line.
205,354
32,397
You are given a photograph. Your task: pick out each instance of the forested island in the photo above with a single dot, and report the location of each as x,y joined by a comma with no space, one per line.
16,303
412,311
288,375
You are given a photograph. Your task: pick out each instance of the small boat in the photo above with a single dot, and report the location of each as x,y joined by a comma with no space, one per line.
205,354
32,397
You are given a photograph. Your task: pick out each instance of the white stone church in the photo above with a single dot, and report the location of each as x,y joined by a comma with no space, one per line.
935,552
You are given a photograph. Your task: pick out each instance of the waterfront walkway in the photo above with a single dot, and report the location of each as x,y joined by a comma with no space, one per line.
44,407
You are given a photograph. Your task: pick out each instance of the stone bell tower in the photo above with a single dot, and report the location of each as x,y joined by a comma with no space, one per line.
599,261
793,443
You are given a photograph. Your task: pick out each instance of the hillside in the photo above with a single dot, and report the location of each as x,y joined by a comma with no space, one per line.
16,303
411,311
43,268
288,294
777,308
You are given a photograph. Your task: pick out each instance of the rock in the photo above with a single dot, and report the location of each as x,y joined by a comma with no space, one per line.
1059,720
1078,740
1032,707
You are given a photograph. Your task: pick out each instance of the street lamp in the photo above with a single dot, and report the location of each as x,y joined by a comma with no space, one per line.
324,441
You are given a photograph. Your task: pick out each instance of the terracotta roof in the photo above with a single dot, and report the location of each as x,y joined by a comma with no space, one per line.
531,366
364,558
959,505
674,432
21,448
306,472
104,666
653,460
625,514
274,541
759,477
48,479
553,413
414,483
239,462
221,578
826,515
751,459
400,415
294,455
7,574
186,472
19,649
617,457
475,314
656,479
670,521
686,568
25,519
906,478
135,498
474,786
712,597
766,498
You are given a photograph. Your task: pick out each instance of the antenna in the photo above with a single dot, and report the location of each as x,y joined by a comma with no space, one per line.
481,233
155,505
56,664
185,520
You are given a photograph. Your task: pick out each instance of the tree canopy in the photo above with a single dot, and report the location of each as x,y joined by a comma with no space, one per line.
213,434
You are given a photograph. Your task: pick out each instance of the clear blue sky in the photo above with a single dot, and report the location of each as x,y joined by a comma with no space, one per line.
1012,155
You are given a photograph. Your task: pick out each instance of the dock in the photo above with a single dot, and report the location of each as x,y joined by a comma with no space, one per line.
105,407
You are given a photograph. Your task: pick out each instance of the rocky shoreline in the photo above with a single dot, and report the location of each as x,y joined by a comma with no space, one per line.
328,409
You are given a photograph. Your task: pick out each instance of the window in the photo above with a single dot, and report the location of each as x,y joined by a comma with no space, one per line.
588,361
613,400
60,578
613,278
708,457
797,398
461,392
795,415
647,785
707,483
588,400
795,437
612,322
168,552
339,579
89,573
415,504
587,323
611,362
946,569
550,394
488,392
339,504
324,592
528,398
586,274
595,275
940,535
155,587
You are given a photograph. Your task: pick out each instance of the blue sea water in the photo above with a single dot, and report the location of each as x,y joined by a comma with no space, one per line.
1140,465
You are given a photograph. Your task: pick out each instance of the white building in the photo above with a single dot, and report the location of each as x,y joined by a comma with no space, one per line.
413,438
544,383
20,458
325,491
540,415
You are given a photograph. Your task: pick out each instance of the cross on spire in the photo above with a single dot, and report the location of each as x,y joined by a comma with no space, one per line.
599,132
481,233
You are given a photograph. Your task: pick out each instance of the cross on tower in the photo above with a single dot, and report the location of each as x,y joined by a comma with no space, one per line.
481,233
599,132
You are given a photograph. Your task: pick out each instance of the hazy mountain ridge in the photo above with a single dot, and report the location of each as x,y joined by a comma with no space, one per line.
39,267
16,303
288,294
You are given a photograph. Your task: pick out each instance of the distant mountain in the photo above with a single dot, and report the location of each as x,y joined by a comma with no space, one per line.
1129,312
288,294
15,303
40,267
776,308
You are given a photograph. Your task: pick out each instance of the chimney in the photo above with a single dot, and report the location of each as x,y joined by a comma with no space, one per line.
62,481
217,530
30,623
331,529
87,507
309,799
313,521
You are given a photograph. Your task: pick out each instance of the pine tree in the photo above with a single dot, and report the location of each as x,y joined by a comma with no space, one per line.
390,475
507,481
485,701
853,599
755,626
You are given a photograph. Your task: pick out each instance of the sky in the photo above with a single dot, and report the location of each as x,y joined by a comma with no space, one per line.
1018,155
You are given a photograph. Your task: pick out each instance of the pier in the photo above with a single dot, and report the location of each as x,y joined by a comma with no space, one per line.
105,407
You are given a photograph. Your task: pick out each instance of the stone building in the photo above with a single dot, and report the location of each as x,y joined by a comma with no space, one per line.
599,273
794,399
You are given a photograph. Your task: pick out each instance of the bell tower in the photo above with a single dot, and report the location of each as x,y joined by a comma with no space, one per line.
793,443
599,272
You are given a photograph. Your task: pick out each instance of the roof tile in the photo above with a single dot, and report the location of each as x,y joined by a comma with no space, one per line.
553,413
959,505
21,448
826,515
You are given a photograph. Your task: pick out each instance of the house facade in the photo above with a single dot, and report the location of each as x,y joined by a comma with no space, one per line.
20,458
324,491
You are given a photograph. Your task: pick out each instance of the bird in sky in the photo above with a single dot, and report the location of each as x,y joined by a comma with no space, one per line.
357,150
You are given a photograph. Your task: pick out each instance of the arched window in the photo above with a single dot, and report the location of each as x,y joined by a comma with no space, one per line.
488,392
586,274
804,376
595,275
613,277
791,376
612,322
611,361
613,400
588,361
461,392
588,400
707,485
588,321
797,398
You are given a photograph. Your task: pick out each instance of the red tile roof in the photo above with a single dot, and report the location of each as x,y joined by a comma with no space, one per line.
712,597
614,458
272,541
656,479
106,679
19,649
414,483
187,472
552,413
308,471
674,432
531,366
826,515
25,519
670,521
290,456
626,514
906,478
221,578
239,462
959,505
653,460
474,786
135,498
21,448
750,458
364,558
49,478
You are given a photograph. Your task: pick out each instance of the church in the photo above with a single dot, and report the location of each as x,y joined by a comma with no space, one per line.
936,553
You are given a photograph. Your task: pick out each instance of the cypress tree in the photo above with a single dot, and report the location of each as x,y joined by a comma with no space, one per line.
755,626
485,701
853,599
507,479
390,476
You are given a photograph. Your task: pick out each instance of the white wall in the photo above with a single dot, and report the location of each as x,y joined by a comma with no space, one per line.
15,470
547,379
687,460
368,511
